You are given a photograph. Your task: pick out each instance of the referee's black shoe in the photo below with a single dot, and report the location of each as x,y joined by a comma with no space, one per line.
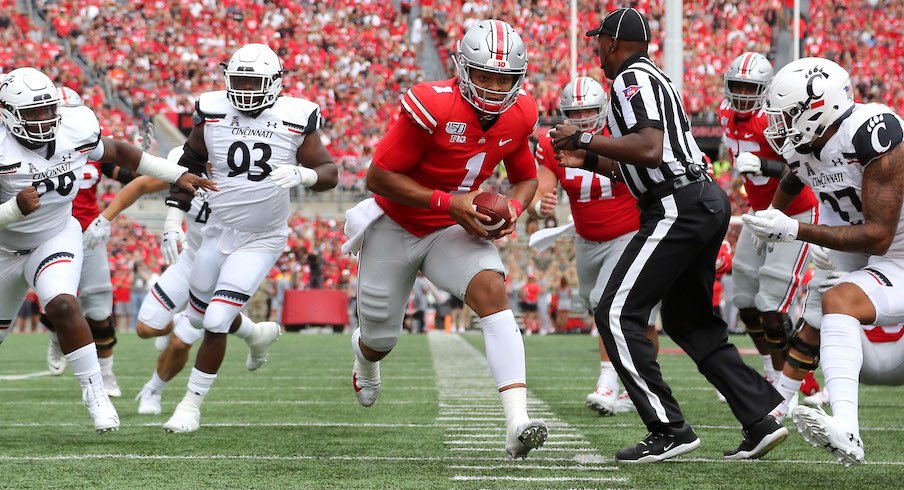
759,439
660,445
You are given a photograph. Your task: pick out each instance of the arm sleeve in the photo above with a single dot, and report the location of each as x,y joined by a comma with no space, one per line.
791,184
121,175
404,145
634,92
876,137
772,168
519,164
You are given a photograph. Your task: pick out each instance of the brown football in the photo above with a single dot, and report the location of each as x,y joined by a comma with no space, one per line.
496,207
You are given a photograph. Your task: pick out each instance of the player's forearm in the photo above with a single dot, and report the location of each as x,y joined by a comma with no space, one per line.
788,188
131,193
642,148
869,238
398,187
327,176
524,191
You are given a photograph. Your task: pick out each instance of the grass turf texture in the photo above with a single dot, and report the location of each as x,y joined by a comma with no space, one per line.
294,423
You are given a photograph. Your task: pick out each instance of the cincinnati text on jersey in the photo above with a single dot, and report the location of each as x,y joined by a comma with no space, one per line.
260,133
52,172
826,179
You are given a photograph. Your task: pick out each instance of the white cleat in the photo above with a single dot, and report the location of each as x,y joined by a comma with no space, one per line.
161,342
366,389
111,385
259,342
56,361
102,411
623,403
603,400
148,402
818,399
529,435
186,418
829,433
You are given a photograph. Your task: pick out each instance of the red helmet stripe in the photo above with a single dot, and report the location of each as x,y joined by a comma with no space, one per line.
579,90
745,65
501,36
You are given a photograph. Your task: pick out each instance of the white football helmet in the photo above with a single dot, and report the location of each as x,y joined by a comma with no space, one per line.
493,46
70,98
257,65
803,100
30,105
750,68
585,93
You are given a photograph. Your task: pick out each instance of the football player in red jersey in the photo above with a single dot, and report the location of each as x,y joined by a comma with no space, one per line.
765,281
605,218
426,171
95,288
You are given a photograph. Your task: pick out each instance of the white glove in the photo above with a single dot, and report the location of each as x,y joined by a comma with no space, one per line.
173,236
98,232
748,163
772,225
820,256
291,176
831,281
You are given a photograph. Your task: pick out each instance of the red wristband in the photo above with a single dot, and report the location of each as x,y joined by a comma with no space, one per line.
441,201
519,208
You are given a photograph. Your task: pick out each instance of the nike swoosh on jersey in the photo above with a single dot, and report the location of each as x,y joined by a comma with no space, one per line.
504,142
747,135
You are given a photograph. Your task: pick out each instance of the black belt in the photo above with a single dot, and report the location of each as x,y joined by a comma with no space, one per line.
669,187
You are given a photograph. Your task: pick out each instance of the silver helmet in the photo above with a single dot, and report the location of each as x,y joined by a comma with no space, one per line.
70,98
585,93
750,68
30,105
493,46
253,61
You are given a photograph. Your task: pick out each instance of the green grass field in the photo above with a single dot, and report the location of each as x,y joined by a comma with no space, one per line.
295,424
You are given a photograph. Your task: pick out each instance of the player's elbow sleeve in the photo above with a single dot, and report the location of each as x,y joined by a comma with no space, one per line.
195,162
179,198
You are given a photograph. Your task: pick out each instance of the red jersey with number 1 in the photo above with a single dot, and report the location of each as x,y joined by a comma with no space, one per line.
744,133
602,209
439,143
84,207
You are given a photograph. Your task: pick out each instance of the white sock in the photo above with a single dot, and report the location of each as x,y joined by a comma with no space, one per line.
106,364
514,404
787,387
199,384
156,384
841,357
608,376
246,328
504,348
768,370
85,367
367,369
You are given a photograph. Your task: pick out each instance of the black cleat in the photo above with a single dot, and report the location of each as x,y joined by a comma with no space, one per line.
759,439
659,446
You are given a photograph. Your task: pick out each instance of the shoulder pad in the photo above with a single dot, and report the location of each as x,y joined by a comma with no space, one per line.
299,114
81,126
427,103
210,105
876,130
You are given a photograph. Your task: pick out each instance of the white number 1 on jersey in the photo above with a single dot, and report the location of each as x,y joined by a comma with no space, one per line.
474,165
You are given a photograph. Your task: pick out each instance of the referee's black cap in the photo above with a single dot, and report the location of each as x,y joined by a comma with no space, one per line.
626,24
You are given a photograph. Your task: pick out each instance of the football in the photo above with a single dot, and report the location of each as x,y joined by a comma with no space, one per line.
496,207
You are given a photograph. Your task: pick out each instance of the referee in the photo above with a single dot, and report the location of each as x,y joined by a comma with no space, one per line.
684,217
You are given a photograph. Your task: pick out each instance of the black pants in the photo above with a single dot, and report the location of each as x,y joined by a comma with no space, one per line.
672,259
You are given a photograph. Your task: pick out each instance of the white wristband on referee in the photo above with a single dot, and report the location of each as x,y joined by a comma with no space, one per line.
160,168
10,212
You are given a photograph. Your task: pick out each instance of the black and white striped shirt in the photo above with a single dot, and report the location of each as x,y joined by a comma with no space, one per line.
642,96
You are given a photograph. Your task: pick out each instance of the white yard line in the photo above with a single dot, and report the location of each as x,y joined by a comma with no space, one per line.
468,401
20,377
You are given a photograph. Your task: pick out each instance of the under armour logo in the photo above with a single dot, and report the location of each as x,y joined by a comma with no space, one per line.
272,124
66,157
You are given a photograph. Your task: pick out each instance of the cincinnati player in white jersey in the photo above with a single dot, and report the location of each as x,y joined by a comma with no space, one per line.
95,291
851,155
254,140
161,311
42,148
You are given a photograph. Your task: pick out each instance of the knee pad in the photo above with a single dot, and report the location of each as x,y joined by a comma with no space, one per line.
776,327
97,305
218,318
753,321
104,336
379,330
185,332
802,355
45,320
